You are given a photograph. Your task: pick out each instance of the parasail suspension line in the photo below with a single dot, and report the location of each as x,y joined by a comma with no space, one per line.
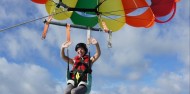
105,28
109,39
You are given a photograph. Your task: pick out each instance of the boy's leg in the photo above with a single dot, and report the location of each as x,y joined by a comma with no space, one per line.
68,89
79,90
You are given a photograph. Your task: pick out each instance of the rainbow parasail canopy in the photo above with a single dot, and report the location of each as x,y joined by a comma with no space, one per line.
115,13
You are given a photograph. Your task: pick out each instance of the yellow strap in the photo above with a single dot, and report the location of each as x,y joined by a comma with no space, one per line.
77,76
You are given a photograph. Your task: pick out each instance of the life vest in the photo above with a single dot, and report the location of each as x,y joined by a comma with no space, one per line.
80,69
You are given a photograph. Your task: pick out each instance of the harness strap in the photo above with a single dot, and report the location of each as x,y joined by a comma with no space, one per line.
68,72
79,75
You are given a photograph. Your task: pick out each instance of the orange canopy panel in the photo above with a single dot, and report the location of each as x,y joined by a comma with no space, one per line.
145,19
131,5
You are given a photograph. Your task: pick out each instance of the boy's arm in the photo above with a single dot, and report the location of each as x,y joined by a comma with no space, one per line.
98,51
64,57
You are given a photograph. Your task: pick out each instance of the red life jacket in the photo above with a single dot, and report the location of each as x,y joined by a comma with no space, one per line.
81,65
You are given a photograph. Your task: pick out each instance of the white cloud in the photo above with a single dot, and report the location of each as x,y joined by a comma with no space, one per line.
26,79
14,12
27,43
174,83
167,83
134,75
12,46
3,14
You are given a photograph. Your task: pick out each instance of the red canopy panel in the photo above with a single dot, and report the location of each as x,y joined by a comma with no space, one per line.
39,1
162,7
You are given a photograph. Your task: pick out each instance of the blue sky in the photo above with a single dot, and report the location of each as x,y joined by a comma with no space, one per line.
141,61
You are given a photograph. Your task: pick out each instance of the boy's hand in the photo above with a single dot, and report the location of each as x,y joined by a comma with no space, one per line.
93,41
66,44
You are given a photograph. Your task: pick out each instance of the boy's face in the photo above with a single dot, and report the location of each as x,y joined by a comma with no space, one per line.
80,52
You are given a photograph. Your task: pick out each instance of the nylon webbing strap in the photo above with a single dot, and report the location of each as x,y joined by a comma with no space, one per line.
68,70
88,37
68,32
46,27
